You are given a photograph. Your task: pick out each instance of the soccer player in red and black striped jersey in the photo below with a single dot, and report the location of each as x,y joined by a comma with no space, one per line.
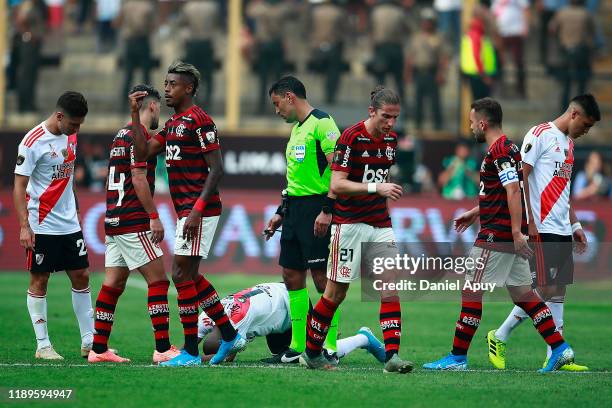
364,154
133,233
501,251
195,166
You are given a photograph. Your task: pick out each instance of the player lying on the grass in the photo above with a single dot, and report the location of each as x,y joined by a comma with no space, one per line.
195,166
47,209
364,154
548,160
263,310
501,248
133,233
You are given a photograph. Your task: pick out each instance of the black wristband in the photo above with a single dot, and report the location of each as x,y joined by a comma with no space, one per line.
328,205
280,211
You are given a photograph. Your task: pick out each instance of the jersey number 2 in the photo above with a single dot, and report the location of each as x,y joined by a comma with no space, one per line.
82,248
116,186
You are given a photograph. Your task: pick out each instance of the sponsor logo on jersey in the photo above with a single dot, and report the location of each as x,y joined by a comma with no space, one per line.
187,118
374,176
379,154
115,151
365,154
20,160
113,222
300,152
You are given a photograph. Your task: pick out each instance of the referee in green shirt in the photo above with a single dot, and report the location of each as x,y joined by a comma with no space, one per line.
306,212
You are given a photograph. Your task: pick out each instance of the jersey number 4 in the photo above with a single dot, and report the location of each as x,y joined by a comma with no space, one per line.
116,186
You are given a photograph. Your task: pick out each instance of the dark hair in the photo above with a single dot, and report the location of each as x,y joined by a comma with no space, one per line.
72,104
589,105
490,108
152,93
186,71
288,84
381,96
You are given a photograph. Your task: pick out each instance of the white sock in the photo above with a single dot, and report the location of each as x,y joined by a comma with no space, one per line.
556,308
81,303
347,345
516,317
37,307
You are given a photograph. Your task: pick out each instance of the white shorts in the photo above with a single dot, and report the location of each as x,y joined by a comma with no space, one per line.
202,242
501,268
344,262
131,250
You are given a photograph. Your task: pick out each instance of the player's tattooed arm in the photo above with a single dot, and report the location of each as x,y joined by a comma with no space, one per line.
215,165
143,149
143,192
26,235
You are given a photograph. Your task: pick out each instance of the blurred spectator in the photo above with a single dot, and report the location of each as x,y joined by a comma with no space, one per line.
389,28
137,22
269,18
574,28
513,25
202,19
449,20
56,14
478,63
460,176
107,12
547,10
426,64
328,29
97,166
84,12
590,182
30,18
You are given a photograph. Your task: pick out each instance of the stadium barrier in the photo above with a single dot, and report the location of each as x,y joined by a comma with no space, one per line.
239,247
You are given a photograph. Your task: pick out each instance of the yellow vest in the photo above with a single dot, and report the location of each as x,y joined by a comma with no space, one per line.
487,56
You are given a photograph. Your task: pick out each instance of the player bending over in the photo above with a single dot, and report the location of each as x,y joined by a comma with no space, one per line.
263,310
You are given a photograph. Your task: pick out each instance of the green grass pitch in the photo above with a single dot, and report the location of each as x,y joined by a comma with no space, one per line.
427,334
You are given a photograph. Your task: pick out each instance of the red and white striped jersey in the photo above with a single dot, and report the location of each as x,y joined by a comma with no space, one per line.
551,154
48,160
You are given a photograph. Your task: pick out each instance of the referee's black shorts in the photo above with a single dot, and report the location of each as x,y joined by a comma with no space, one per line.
300,249
553,261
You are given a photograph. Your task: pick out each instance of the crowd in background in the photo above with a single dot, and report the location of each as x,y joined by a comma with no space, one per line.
412,42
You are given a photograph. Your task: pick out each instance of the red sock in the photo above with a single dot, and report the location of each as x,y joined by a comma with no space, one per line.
469,320
105,315
160,314
390,318
209,302
319,321
542,319
188,313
